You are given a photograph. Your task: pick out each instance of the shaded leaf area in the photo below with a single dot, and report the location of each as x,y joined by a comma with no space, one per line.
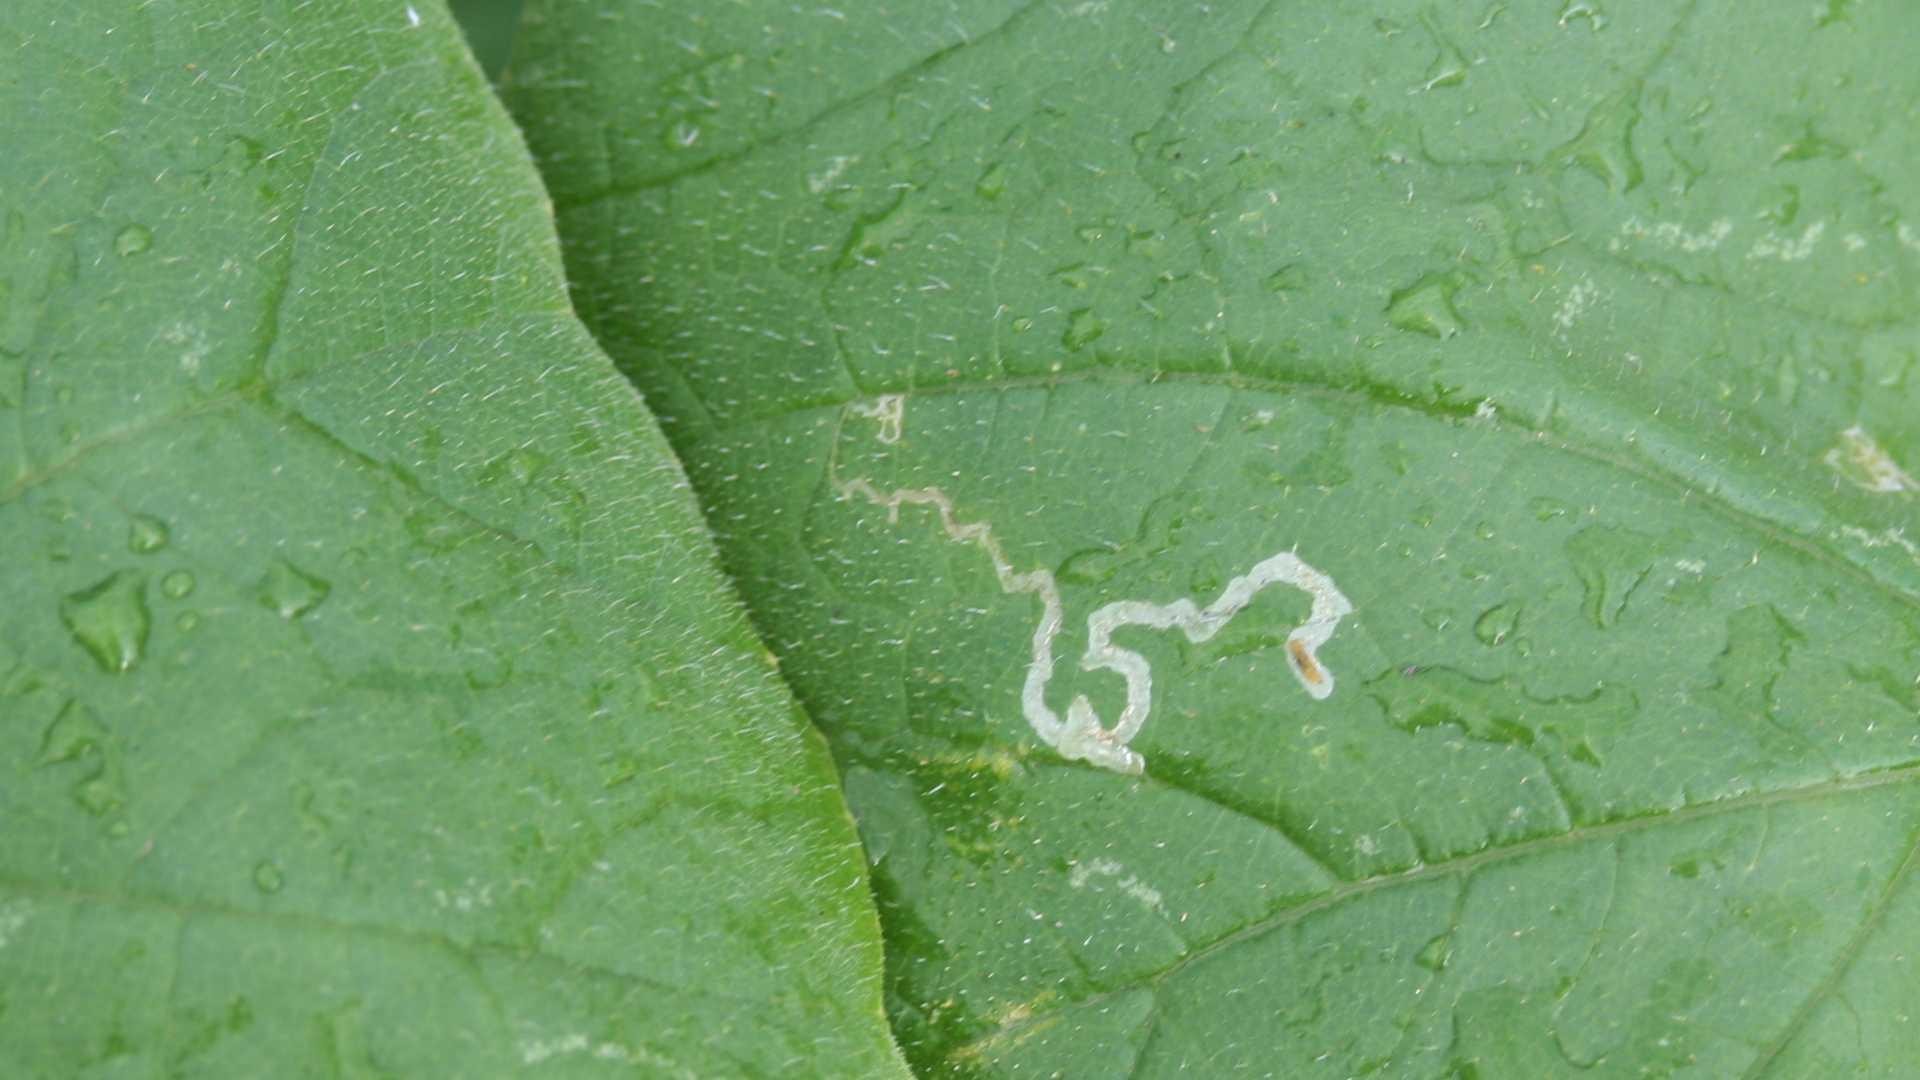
1577,347
370,702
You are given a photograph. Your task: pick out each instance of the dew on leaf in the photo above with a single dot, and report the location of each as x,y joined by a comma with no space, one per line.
267,876
291,591
1435,953
1497,623
132,240
1289,278
101,793
109,619
1547,509
75,731
1610,562
146,534
1083,327
992,183
177,585
1426,307
1604,146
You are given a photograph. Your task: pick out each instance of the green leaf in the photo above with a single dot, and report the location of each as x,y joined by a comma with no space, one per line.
1578,350
370,701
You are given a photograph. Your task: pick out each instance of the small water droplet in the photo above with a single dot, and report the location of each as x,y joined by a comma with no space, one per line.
73,733
1289,278
1547,509
1611,563
132,240
291,591
682,136
1497,623
1083,327
177,585
1437,618
1090,234
109,619
100,794
1022,324
146,534
1484,530
187,621
1426,307
992,183
522,464
267,876
1434,954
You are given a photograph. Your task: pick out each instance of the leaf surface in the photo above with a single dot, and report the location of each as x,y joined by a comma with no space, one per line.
1576,349
370,701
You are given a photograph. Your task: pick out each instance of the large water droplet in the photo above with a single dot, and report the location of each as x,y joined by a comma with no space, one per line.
146,534
132,240
109,619
291,591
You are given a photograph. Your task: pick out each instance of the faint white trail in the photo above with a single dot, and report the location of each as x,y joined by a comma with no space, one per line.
1081,736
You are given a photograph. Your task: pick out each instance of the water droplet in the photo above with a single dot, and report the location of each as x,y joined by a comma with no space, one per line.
187,621
1083,327
1426,307
1076,276
681,136
1610,562
267,876
109,619
1497,623
1146,243
1604,146
1289,278
146,534
524,464
1437,618
992,183
1547,509
1583,9
1484,530
1090,234
1434,954
73,733
1022,324
177,585
1092,566
132,240
291,591
101,793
